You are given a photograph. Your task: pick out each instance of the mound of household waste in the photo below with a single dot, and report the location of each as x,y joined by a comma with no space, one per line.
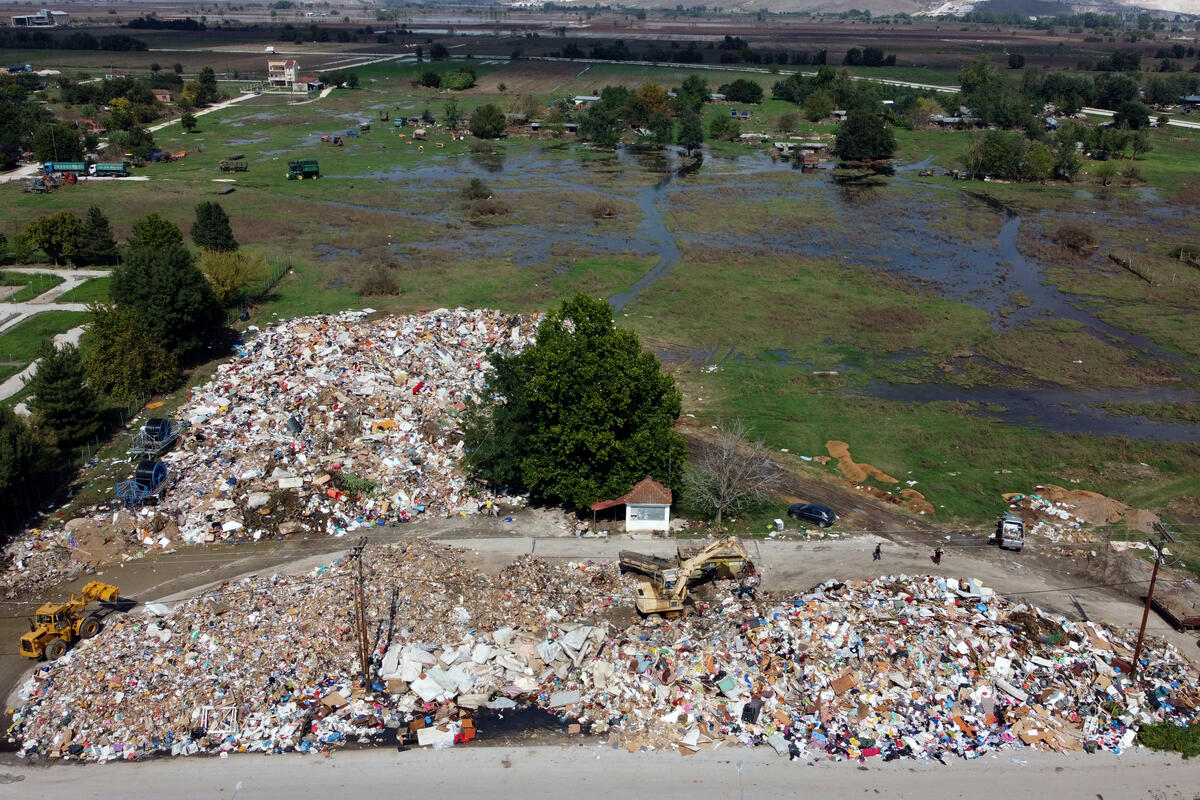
902,666
318,425
1072,515
327,424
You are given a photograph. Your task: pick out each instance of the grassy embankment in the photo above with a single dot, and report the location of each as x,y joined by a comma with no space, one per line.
19,345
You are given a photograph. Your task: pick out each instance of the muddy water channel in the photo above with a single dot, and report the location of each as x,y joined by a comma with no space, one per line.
898,226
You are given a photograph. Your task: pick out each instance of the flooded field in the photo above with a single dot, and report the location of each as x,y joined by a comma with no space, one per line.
904,236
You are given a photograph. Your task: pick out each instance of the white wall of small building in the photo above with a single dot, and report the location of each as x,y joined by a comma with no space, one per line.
647,517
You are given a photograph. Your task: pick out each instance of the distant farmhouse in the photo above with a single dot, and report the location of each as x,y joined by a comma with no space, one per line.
285,73
44,18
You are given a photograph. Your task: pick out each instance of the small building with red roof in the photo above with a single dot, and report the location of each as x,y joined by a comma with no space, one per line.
647,506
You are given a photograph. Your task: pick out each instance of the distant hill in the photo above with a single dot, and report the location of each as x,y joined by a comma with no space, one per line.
1032,7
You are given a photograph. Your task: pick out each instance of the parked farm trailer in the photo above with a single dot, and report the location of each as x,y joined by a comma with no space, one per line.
306,168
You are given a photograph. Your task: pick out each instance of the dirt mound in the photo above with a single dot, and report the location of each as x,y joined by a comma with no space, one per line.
1063,514
852,470
97,542
1090,507
916,502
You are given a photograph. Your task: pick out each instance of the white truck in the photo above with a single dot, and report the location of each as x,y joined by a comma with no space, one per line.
1010,532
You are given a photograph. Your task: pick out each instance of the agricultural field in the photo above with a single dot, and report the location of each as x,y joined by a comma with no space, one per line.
938,326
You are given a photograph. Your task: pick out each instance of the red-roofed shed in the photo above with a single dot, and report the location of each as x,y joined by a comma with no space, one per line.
647,506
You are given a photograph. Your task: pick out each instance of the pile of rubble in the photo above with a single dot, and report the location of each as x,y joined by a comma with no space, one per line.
318,425
1068,515
902,666
327,424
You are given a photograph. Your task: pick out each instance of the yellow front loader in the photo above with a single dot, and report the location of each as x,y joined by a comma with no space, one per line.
57,625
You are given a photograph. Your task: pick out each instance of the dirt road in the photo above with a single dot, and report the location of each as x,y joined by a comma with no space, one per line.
583,769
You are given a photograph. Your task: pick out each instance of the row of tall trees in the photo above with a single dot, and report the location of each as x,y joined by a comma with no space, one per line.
163,314
656,118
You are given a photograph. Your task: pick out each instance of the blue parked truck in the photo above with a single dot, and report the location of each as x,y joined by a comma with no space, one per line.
65,167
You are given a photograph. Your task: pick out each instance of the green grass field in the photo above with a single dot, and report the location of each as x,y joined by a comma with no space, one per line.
32,284
93,290
22,341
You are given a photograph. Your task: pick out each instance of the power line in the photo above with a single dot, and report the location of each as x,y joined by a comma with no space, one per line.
582,592
360,610
1163,537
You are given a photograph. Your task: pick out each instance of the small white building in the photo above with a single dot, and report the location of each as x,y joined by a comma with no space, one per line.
45,18
647,506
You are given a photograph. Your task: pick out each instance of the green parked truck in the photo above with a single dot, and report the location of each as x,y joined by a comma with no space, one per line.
118,169
306,168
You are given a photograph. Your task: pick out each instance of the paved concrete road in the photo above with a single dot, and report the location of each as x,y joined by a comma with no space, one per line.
581,769
12,314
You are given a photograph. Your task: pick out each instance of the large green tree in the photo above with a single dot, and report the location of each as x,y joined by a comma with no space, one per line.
58,141
58,235
451,113
165,288
583,414
865,136
207,80
122,356
992,96
691,131
137,141
602,124
742,91
63,405
154,233
21,454
487,122
724,129
212,230
692,94
97,244
20,115
1132,115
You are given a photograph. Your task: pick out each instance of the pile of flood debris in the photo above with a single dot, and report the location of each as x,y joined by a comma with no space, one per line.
920,667
319,425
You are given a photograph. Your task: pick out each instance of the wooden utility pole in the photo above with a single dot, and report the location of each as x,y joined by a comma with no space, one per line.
1164,536
360,608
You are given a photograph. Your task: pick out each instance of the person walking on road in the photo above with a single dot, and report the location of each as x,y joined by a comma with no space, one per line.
937,555
878,553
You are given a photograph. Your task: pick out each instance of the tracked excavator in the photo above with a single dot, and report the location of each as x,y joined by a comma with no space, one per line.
663,583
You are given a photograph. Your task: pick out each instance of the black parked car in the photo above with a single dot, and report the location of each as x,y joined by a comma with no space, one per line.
814,513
